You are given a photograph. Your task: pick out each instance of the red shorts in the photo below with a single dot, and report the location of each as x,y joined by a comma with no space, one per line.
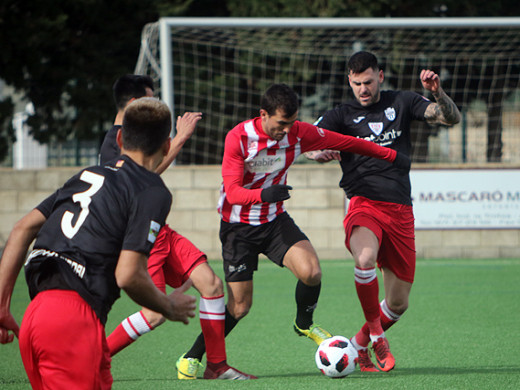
172,259
63,344
393,224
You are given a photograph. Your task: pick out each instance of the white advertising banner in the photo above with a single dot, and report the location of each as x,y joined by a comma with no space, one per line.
466,199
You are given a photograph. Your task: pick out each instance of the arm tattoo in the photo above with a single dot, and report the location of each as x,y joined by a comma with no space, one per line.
444,111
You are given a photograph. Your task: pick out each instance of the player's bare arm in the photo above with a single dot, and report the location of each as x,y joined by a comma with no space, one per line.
133,277
323,156
21,237
444,111
185,127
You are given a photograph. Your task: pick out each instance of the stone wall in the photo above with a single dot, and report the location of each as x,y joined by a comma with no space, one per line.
317,206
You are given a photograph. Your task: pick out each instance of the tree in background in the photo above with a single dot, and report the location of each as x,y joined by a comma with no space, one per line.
64,55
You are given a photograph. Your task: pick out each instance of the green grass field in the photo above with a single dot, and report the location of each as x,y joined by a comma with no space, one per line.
462,331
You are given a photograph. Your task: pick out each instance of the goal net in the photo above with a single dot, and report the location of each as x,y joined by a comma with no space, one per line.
222,66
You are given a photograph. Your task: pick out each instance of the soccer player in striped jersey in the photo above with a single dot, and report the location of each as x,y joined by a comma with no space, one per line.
93,237
173,259
257,156
379,225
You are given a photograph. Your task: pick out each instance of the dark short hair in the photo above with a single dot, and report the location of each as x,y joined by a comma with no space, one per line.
361,61
147,124
282,97
130,86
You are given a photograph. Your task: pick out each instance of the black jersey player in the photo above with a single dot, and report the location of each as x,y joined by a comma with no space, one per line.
93,238
379,225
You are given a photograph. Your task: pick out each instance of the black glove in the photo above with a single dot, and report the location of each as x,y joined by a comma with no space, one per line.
275,193
402,161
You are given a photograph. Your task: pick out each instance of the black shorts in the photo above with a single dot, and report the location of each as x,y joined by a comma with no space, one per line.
242,243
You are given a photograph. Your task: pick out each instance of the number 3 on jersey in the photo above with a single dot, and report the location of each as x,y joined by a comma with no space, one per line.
84,199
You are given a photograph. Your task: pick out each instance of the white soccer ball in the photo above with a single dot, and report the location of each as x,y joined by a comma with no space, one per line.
336,356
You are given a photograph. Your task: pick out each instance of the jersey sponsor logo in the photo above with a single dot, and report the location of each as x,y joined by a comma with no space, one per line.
390,113
154,231
265,164
384,139
320,131
77,268
376,127
358,119
40,252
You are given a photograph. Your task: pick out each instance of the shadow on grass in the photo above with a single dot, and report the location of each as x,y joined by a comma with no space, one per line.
456,370
434,371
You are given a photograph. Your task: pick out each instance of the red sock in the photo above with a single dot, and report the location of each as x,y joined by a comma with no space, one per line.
127,332
388,318
212,321
367,288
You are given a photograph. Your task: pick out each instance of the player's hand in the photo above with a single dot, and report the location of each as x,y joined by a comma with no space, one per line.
186,124
402,161
275,193
183,306
8,324
325,156
430,80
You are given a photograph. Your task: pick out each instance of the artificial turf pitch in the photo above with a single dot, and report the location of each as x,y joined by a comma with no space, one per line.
462,331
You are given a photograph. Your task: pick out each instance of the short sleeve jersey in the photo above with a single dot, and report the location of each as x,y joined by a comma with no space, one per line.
260,161
386,123
109,148
96,214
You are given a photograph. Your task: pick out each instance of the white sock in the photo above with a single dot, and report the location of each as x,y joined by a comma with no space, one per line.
375,338
358,347
136,325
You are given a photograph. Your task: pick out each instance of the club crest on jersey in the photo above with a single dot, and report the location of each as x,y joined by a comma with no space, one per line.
154,231
252,147
376,127
390,113
320,131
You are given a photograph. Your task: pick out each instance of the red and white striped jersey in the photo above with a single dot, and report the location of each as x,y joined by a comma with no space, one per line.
254,161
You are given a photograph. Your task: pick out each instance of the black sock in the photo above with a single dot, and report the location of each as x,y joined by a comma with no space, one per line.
306,302
198,349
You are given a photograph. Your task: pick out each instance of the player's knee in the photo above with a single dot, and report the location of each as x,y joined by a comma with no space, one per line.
240,312
216,287
239,309
212,287
311,276
398,306
366,259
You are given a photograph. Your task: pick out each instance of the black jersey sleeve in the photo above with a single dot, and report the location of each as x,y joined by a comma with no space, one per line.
330,121
46,206
109,148
417,103
149,211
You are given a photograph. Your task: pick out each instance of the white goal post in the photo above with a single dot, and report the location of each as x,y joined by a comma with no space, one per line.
222,65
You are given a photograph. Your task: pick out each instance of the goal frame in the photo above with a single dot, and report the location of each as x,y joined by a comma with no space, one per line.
167,23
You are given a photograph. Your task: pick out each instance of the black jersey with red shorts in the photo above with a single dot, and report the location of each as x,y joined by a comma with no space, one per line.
173,256
379,193
96,214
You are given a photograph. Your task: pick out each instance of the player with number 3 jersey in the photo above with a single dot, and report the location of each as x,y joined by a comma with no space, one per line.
93,237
